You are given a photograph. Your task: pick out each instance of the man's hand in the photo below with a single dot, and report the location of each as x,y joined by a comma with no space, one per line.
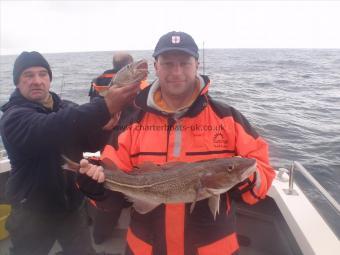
93,171
117,97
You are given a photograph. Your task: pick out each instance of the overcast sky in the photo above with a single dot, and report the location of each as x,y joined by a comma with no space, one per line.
66,26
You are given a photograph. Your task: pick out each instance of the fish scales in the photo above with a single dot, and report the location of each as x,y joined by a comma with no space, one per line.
179,183
164,186
132,73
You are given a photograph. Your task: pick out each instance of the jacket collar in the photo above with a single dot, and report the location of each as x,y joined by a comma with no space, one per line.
16,99
145,102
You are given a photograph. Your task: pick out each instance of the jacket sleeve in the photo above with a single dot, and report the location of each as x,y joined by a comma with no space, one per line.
110,158
119,157
250,145
30,131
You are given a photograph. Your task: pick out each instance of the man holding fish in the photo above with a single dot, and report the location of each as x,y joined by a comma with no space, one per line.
119,60
37,126
186,155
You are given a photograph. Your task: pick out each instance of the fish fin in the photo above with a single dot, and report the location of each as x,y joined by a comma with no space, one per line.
215,181
142,64
149,166
70,164
108,164
198,190
172,164
142,206
214,205
146,167
214,192
68,167
192,206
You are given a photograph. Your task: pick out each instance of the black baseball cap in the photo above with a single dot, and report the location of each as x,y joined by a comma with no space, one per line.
179,41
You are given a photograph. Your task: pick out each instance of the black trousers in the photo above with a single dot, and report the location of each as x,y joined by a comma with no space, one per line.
34,233
104,224
106,215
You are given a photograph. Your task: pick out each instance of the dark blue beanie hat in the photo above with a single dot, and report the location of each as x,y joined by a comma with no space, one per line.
26,60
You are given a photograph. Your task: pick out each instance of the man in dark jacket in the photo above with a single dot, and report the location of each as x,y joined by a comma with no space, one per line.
36,128
119,60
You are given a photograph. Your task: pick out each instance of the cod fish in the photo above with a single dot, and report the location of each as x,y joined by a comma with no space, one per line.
132,73
149,185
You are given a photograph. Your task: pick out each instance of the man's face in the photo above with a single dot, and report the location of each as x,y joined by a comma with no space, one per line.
34,84
176,72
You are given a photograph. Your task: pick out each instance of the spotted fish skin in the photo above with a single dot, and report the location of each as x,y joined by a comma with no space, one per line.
149,185
132,73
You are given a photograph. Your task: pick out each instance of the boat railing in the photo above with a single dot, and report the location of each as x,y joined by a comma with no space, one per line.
3,154
299,167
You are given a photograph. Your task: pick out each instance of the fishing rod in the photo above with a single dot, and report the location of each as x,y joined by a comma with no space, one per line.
203,59
62,86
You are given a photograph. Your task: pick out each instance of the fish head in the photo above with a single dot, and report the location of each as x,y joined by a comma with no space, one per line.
132,73
241,168
227,172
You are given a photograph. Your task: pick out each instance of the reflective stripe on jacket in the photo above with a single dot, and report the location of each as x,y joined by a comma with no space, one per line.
209,129
105,78
101,82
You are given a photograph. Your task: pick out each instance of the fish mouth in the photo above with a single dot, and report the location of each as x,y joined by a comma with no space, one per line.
248,171
131,74
143,65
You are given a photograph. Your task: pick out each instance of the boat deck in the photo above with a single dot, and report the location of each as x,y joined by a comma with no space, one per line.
115,245
265,218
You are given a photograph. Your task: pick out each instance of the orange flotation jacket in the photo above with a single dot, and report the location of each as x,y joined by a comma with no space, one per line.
207,129
101,82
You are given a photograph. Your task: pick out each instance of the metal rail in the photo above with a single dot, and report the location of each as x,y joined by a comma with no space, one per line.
3,154
298,166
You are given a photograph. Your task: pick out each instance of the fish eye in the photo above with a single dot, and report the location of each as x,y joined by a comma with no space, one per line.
230,168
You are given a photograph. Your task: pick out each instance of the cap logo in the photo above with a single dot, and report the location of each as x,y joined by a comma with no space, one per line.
175,39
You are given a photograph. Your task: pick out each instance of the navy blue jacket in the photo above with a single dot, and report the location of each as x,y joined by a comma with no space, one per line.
35,137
